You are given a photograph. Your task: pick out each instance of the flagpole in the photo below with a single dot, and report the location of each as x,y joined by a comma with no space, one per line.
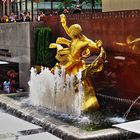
25,5
32,9
3,6
12,6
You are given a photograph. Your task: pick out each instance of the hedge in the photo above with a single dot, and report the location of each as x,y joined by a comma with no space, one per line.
43,55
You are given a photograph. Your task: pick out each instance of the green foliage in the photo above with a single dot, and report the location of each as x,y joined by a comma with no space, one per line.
91,1
99,1
66,4
70,4
44,55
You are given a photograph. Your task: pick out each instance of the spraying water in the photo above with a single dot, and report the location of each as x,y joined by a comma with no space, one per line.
129,109
57,91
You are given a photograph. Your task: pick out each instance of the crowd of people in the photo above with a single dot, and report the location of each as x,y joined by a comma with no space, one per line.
20,17
77,10
26,16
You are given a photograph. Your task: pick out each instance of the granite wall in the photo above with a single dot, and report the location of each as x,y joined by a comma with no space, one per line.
17,45
113,28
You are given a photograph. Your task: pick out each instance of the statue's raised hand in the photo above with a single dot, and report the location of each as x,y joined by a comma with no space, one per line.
99,43
63,19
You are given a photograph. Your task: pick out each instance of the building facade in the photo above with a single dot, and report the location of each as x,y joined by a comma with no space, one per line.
120,5
34,6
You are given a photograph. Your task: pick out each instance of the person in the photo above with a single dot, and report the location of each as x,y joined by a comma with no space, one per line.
66,11
77,10
41,14
12,17
0,19
54,13
5,19
21,16
6,86
72,58
27,16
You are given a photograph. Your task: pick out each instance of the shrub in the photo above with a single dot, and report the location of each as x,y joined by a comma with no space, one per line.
43,55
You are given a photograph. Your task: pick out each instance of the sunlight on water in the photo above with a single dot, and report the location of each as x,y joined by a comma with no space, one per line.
56,91
84,120
117,119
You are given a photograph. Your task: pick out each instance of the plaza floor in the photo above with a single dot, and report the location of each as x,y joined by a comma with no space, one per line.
133,126
13,128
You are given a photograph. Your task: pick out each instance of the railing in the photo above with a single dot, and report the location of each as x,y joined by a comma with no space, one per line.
103,15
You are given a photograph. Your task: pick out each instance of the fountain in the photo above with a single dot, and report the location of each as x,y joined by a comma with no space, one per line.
68,87
55,91
129,109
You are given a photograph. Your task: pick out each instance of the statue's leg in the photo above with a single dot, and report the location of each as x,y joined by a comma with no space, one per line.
90,98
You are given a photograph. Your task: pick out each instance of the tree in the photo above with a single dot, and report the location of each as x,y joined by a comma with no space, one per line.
71,3
65,4
93,3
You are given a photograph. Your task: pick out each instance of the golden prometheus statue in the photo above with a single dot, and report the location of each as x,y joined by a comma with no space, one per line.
72,58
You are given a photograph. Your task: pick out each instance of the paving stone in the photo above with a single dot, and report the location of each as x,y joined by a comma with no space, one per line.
133,126
40,136
11,124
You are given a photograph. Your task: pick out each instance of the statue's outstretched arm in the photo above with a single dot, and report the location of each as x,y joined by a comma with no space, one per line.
95,46
62,40
64,24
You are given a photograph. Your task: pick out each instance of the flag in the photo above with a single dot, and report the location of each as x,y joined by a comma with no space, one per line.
37,1
3,1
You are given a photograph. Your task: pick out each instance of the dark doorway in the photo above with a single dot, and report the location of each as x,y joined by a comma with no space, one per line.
9,72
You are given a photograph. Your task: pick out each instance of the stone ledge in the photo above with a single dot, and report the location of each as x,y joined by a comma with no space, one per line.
57,127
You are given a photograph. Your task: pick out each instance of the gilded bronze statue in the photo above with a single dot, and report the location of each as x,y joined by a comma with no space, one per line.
72,58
